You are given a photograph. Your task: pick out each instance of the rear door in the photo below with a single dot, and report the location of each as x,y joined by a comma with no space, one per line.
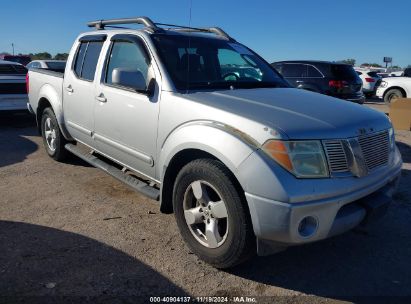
126,120
78,88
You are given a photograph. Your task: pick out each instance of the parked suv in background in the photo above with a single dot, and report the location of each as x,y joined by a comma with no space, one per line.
22,59
329,78
369,80
13,93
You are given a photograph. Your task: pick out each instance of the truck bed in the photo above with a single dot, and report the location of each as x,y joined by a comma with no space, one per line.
43,81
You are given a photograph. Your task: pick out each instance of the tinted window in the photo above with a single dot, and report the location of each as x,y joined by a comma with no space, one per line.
407,72
128,56
342,71
79,59
313,72
294,70
86,60
90,60
11,69
55,65
373,74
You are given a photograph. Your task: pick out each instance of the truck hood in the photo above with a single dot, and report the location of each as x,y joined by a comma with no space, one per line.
296,113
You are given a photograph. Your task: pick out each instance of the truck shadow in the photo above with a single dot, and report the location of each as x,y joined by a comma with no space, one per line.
14,146
48,265
352,267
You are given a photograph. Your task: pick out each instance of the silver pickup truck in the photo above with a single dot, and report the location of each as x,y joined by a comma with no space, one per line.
198,121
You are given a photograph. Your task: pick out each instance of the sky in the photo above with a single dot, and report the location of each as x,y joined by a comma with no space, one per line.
278,30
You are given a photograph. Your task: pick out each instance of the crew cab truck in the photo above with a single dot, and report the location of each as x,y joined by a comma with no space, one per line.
245,162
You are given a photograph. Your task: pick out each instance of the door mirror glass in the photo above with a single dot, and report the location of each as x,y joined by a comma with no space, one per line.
130,78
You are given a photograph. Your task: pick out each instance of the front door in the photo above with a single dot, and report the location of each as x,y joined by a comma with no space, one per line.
126,119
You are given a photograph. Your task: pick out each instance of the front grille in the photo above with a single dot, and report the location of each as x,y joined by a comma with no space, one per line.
337,159
375,149
13,88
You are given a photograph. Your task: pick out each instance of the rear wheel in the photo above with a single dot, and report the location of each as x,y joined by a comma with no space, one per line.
212,215
53,140
392,95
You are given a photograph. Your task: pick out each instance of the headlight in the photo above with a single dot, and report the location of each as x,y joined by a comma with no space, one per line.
383,84
392,138
304,159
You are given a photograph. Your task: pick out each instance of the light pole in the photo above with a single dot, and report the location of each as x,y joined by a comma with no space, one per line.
12,45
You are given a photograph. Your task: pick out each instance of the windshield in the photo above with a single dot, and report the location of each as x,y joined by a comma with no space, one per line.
204,63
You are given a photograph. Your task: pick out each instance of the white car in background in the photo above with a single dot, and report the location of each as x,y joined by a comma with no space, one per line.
13,91
394,87
369,79
54,65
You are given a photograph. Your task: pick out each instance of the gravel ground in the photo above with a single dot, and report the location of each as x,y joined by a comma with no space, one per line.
69,230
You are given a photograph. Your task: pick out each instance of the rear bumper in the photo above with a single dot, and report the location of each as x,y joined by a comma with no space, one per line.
288,224
357,98
13,102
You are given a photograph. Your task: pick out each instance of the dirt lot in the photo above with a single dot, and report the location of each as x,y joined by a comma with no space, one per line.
68,230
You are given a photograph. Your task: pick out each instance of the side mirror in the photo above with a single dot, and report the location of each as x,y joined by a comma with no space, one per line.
130,78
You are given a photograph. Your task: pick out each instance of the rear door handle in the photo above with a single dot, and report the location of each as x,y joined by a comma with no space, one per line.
101,98
69,89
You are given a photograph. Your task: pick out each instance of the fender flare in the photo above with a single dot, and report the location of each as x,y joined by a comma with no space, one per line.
48,92
227,144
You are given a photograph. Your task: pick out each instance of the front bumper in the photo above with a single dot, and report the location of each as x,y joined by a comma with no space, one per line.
282,223
380,92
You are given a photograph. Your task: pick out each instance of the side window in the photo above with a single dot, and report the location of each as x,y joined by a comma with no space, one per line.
80,58
86,60
129,56
313,72
294,70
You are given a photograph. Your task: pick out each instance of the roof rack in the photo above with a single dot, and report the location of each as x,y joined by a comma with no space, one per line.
148,23
215,30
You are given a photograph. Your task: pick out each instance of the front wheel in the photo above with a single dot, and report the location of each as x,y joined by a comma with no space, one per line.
391,95
53,140
212,214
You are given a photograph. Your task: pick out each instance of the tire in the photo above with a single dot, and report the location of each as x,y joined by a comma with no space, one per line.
392,94
233,240
53,140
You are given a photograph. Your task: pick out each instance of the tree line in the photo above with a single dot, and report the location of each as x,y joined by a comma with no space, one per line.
48,56
44,56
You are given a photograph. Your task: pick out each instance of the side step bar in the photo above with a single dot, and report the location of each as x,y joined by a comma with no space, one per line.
137,184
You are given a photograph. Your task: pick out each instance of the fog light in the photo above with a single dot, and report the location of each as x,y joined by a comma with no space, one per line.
307,226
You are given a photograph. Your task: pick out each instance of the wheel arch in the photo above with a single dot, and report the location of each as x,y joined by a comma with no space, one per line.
48,97
196,142
395,88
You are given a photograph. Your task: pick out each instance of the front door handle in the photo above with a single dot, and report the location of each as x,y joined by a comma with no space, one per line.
69,89
101,98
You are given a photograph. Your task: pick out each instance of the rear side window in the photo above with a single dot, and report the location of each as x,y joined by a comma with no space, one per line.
343,72
294,70
86,59
373,74
313,72
12,69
